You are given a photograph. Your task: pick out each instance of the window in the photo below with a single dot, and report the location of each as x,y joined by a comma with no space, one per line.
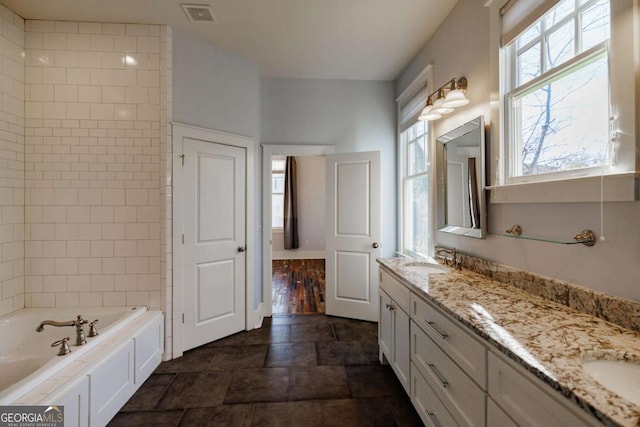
415,182
277,192
557,94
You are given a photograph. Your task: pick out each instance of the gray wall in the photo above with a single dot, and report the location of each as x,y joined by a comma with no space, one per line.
216,90
611,265
352,115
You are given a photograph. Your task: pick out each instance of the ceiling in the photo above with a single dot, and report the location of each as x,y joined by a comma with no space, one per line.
327,39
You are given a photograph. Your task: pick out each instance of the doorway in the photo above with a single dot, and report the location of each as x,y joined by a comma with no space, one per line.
292,263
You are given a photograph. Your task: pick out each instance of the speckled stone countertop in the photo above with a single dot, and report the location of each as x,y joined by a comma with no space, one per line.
548,339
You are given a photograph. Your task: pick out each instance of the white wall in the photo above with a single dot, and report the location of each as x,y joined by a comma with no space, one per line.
610,266
11,162
93,164
352,115
215,90
311,210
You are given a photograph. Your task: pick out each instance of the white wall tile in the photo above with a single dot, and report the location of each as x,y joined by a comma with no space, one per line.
94,143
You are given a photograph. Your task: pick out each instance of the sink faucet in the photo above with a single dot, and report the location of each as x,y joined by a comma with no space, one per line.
452,258
78,323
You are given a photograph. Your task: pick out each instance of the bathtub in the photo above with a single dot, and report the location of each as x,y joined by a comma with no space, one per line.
31,372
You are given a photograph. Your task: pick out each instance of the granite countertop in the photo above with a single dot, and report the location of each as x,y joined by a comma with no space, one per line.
548,339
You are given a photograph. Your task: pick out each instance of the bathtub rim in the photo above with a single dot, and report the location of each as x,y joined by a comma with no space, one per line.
58,363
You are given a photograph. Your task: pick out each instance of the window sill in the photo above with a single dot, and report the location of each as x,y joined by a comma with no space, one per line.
617,188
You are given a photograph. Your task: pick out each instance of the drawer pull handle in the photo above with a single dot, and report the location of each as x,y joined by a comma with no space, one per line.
432,419
444,383
433,326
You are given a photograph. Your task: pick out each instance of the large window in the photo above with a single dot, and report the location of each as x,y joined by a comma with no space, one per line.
415,149
277,192
557,100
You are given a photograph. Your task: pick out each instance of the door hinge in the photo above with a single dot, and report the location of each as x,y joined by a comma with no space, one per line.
182,157
182,317
183,239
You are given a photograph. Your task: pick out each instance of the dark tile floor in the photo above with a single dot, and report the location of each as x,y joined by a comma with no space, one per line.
307,370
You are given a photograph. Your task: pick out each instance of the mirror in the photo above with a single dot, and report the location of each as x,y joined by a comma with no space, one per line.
461,179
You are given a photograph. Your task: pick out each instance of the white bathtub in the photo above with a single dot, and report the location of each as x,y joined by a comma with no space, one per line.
26,356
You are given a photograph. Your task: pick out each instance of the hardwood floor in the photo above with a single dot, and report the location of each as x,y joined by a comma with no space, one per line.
298,286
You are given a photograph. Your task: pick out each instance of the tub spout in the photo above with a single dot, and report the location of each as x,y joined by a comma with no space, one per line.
41,326
78,323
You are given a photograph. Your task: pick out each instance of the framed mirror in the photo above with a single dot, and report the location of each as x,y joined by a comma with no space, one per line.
460,180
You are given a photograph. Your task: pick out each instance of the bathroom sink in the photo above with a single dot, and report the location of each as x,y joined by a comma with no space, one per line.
618,376
426,267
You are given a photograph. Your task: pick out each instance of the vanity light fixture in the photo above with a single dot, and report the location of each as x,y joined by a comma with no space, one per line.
448,96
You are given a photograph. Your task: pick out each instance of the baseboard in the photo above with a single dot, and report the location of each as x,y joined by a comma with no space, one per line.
298,254
258,317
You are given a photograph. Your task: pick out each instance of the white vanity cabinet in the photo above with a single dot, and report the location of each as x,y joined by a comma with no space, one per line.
527,401
394,327
456,378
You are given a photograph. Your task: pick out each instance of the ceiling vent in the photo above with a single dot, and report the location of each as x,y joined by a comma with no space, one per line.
199,12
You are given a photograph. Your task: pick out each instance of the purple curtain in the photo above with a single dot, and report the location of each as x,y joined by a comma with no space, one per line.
290,205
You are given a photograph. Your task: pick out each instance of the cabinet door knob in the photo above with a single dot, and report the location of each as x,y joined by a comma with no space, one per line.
375,245
242,248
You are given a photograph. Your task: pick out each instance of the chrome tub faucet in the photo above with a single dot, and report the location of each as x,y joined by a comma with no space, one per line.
78,323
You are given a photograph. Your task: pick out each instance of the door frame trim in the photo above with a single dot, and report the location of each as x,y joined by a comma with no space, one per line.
269,150
181,131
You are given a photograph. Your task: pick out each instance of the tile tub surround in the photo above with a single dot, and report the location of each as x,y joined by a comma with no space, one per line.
548,339
614,309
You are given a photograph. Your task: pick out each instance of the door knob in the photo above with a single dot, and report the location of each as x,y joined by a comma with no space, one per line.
242,248
375,245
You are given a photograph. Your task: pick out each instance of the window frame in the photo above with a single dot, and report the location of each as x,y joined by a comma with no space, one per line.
513,89
619,182
406,178
425,77
274,172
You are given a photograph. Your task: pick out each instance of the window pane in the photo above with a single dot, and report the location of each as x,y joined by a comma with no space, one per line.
562,10
595,24
417,215
278,164
560,45
417,159
564,124
277,210
529,64
528,35
277,183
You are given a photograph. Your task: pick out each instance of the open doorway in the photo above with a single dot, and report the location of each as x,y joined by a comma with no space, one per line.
294,279
298,210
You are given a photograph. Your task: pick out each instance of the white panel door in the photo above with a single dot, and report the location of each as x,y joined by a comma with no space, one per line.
353,235
214,241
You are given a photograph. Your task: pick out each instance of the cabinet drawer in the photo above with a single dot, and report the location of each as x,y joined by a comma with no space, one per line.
426,402
396,290
519,395
461,396
465,350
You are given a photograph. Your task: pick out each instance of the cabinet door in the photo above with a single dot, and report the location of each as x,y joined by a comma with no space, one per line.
75,399
401,347
496,416
526,402
149,344
386,327
111,384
